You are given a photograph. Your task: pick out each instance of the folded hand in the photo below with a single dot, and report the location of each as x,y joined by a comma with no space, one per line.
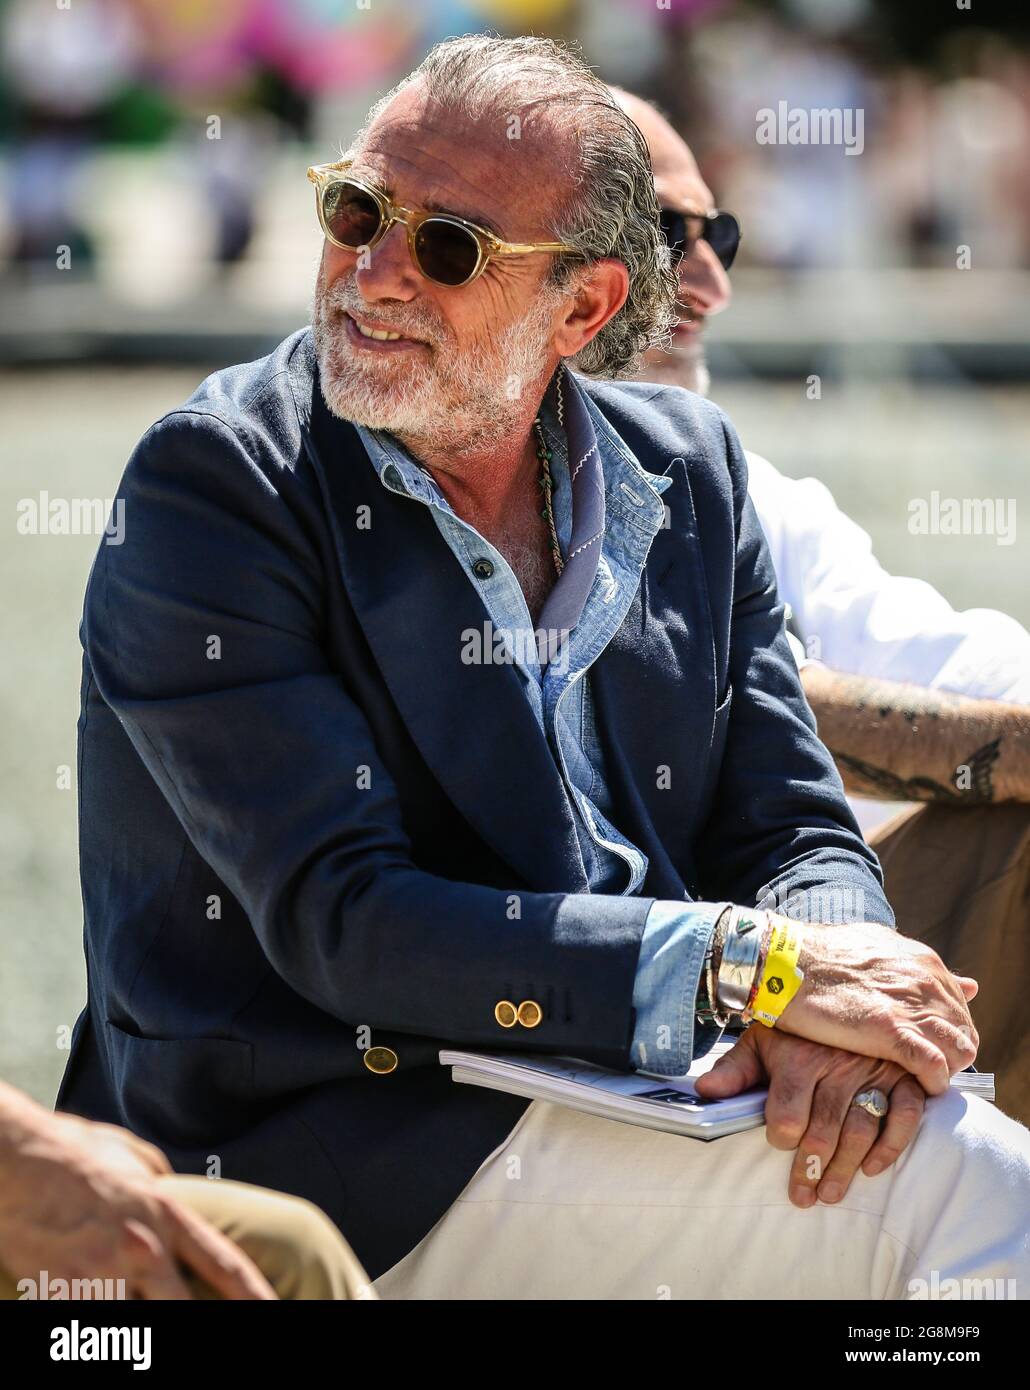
811,1089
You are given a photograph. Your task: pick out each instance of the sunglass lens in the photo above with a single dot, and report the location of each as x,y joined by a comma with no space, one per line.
674,226
351,215
446,252
723,235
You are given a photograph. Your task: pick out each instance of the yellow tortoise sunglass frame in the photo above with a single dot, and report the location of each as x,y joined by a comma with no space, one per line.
431,235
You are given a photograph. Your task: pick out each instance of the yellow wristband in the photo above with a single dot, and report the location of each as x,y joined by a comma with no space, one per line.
781,978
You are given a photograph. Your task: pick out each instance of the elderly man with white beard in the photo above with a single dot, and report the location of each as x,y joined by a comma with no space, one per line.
405,850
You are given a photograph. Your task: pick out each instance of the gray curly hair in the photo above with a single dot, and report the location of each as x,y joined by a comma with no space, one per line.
611,208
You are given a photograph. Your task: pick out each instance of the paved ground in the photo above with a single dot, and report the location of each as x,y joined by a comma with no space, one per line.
69,432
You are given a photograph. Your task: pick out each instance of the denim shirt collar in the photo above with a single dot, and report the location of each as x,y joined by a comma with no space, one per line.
600,476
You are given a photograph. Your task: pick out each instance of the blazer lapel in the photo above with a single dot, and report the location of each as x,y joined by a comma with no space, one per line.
649,724
469,718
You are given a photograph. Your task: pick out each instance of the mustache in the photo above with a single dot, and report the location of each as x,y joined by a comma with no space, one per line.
412,321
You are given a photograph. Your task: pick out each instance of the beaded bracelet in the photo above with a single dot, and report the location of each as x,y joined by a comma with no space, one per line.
706,1006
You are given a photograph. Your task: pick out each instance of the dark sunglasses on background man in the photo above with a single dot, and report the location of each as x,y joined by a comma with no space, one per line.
683,230
446,249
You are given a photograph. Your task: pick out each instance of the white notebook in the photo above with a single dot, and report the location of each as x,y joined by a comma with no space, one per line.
669,1103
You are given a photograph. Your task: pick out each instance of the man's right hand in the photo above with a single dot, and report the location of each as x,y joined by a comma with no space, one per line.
84,1201
870,990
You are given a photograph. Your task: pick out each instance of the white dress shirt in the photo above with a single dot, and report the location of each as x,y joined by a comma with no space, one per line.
855,617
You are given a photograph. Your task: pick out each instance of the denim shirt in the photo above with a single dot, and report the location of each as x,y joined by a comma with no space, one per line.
607,511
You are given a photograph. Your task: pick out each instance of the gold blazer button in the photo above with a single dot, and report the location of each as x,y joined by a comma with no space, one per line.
380,1060
530,1013
505,1013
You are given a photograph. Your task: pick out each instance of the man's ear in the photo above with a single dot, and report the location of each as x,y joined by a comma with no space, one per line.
598,294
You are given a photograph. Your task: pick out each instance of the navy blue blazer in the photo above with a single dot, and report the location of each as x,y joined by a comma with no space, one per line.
304,821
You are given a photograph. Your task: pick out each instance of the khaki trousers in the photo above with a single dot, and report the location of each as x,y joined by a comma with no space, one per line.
293,1243
959,879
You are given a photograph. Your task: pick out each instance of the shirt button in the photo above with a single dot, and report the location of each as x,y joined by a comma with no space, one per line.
380,1060
483,568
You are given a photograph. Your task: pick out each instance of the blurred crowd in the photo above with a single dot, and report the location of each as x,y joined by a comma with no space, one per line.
946,157
163,119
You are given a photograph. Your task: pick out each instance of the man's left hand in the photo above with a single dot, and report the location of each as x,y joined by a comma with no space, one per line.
811,1089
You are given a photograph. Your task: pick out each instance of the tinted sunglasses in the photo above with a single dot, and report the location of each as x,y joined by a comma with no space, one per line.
446,249
721,230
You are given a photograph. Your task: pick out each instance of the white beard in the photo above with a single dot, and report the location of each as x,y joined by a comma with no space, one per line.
451,397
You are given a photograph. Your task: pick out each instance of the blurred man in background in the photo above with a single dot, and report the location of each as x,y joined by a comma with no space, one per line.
916,701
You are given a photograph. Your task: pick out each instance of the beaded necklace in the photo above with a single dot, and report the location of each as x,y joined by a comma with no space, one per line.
544,454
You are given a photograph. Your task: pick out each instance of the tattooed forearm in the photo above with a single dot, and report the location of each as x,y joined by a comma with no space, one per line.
902,743
971,782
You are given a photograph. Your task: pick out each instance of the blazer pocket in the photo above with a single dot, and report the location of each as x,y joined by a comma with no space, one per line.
182,1091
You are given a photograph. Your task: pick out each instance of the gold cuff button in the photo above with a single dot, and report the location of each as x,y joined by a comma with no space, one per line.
530,1013
381,1060
505,1013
